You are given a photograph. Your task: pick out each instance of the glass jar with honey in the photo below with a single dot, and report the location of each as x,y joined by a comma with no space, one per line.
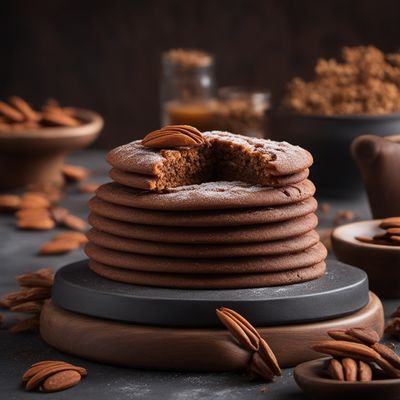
188,88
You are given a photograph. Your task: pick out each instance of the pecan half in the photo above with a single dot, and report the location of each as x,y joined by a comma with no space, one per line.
263,361
240,331
40,372
365,335
364,372
9,202
338,348
350,369
335,369
61,381
172,136
388,354
43,277
24,108
340,334
26,294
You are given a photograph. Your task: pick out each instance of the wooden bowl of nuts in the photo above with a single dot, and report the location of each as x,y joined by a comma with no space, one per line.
373,246
33,144
313,379
360,367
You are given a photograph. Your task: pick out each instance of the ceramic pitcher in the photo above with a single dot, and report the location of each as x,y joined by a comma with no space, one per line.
378,159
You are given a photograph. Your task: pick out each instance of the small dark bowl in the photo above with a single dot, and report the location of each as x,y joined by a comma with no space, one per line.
328,138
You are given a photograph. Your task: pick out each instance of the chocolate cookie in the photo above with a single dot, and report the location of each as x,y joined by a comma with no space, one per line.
285,246
213,235
233,265
207,196
191,281
230,217
149,182
281,158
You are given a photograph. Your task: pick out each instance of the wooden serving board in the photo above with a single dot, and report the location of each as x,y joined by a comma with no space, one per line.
188,349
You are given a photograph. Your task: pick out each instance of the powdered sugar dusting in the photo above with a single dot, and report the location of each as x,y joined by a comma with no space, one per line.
209,195
221,189
134,153
281,158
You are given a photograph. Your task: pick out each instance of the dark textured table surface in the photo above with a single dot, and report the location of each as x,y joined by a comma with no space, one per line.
17,351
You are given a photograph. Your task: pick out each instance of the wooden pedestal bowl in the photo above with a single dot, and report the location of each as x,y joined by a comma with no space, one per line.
380,262
37,155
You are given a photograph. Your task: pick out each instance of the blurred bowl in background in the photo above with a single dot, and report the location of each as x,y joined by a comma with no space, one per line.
37,155
380,262
328,138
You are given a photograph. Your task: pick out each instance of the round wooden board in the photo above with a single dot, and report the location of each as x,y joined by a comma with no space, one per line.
141,346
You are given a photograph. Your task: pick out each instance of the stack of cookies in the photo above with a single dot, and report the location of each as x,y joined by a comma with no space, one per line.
206,211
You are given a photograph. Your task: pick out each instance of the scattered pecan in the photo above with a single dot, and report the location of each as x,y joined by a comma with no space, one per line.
74,222
343,216
35,289
63,243
52,376
63,217
59,246
58,213
263,361
79,237
74,173
29,307
38,224
26,294
9,202
43,277
88,187
61,381
34,200
33,213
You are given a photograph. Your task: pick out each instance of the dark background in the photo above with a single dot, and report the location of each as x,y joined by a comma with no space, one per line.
105,55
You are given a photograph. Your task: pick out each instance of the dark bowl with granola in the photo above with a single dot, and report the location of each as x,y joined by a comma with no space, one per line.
33,144
360,95
328,138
